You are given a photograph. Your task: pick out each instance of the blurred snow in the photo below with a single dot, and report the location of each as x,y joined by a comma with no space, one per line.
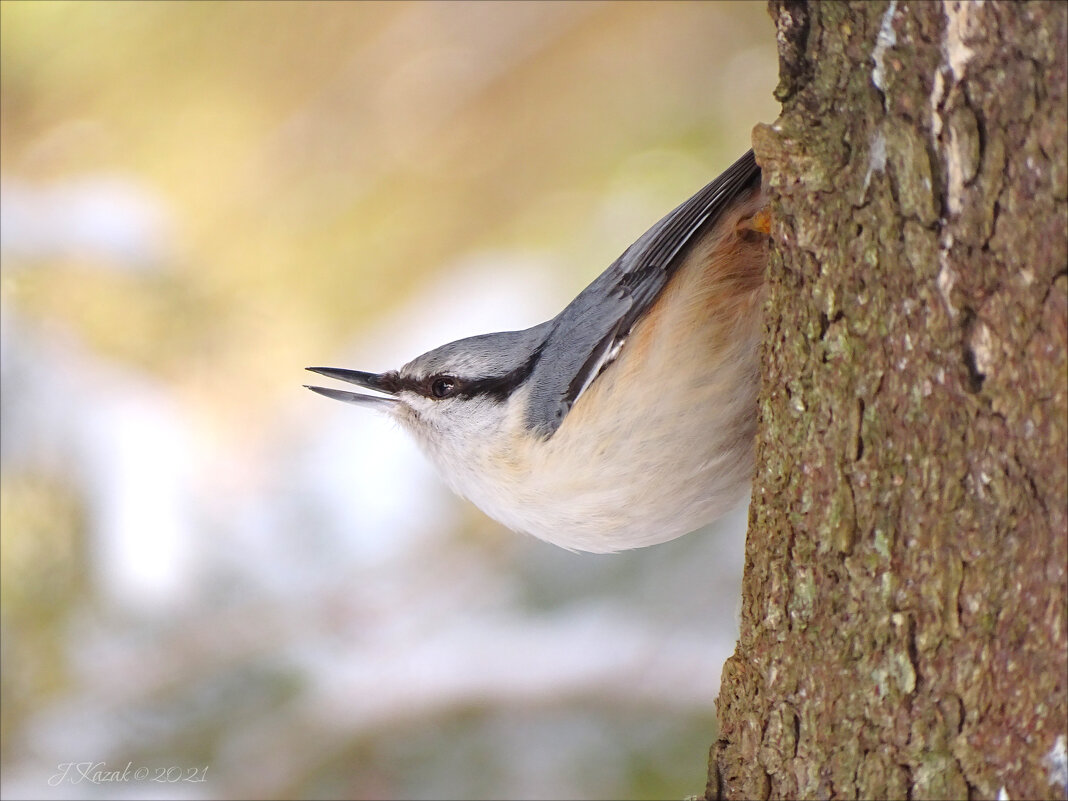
118,437
109,218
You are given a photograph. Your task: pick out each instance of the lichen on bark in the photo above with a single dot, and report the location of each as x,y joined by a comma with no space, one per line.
904,612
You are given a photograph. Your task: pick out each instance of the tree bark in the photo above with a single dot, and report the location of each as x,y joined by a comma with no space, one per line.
903,629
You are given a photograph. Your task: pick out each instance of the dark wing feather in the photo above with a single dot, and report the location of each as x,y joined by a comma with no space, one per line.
583,337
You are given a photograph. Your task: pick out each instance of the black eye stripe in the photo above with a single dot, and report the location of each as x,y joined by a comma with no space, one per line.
497,388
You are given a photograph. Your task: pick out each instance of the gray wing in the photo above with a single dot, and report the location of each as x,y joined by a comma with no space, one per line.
586,336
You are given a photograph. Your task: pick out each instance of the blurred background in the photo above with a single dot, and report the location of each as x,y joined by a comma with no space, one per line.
220,585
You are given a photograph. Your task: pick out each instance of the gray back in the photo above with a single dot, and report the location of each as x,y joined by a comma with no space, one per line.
581,339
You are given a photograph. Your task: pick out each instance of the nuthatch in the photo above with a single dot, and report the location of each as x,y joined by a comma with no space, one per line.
629,418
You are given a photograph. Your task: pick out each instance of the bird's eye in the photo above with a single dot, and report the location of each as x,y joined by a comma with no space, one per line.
443,386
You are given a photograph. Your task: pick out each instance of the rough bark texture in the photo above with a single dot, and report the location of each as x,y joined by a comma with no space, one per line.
903,628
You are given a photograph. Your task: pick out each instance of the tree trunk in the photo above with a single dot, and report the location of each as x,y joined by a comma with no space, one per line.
903,629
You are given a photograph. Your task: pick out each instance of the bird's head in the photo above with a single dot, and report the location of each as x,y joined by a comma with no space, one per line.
455,399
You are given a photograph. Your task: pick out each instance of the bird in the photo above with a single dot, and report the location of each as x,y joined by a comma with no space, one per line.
629,418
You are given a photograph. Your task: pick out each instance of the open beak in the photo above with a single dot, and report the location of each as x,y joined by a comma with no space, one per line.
366,380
